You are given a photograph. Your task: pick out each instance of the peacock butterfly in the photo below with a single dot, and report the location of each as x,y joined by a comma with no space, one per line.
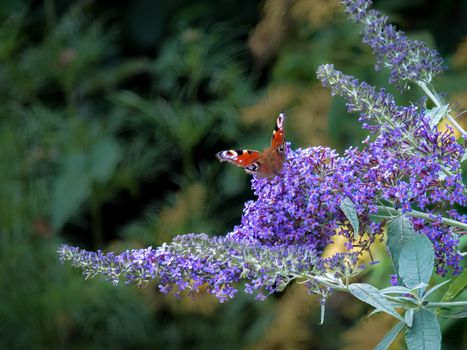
262,164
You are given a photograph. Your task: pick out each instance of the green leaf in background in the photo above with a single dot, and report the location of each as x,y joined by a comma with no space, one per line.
81,170
416,261
460,314
390,336
103,159
457,286
70,190
436,114
400,231
350,212
371,295
425,333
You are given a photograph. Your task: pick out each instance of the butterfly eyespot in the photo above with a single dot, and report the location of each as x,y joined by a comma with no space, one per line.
280,149
252,167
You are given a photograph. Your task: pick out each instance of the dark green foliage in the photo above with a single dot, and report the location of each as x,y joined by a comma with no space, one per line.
79,146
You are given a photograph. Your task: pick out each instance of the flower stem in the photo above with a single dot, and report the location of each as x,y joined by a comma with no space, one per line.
419,214
437,103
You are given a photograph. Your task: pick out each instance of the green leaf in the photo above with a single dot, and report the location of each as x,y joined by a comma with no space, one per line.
409,317
436,114
390,336
386,214
374,312
370,295
80,171
400,231
421,285
457,286
459,314
350,212
464,157
323,310
425,333
396,290
70,190
434,289
416,261
103,159
379,218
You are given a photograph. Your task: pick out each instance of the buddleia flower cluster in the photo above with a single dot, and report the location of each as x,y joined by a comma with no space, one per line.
194,260
405,167
407,60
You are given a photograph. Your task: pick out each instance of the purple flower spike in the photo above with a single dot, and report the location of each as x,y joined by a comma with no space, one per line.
407,60
194,260
409,164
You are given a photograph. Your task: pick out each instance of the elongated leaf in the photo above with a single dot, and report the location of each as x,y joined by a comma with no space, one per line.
396,290
409,317
348,208
80,171
323,311
416,261
379,218
383,213
464,157
103,159
400,231
370,295
459,314
436,114
374,312
421,285
390,336
434,289
458,285
70,190
410,300
425,333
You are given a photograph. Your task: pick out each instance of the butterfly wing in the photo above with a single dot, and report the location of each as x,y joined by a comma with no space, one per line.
278,135
266,164
246,159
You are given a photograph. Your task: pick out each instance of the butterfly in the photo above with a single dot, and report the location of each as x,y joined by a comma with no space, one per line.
262,164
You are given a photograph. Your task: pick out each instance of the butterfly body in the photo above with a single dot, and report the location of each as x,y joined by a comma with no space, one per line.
262,164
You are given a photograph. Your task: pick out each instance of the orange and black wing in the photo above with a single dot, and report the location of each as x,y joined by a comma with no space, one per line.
278,135
246,159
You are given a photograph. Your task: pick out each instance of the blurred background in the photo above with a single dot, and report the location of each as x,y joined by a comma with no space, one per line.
110,115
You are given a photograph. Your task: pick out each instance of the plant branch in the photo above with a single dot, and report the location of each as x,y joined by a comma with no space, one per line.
419,214
437,103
